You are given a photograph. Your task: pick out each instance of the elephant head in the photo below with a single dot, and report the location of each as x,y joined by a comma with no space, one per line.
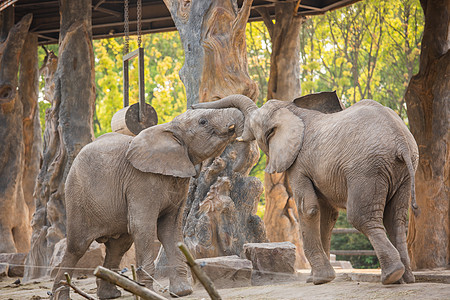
277,129
176,147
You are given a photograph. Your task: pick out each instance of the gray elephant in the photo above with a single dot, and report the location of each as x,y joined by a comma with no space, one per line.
122,189
362,159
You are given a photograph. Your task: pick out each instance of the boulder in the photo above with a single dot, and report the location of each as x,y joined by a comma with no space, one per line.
271,258
15,263
3,270
227,271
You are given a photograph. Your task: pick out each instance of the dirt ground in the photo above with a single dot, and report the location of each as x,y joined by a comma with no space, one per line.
343,287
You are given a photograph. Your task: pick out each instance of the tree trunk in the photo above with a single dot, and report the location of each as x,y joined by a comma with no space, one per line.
29,89
222,202
68,129
16,162
428,100
281,215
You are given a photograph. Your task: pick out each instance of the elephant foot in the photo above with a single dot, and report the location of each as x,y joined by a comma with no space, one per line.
393,273
408,276
106,290
323,276
310,278
180,288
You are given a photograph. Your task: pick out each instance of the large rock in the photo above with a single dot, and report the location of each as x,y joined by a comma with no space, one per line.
227,271
14,262
271,258
3,270
91,259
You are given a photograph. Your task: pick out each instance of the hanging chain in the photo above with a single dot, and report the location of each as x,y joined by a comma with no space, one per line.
139,18
127,29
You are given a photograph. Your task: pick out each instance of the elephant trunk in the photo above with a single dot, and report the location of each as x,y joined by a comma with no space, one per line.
241,102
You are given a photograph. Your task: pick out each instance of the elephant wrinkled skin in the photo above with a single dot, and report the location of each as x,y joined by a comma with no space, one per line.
362,159
123,189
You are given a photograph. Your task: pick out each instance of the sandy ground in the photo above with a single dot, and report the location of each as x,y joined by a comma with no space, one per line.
343,287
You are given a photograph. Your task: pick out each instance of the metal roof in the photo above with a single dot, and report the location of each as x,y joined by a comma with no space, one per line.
107,15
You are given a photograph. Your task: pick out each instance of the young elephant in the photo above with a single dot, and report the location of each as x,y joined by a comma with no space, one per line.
123,189
362,158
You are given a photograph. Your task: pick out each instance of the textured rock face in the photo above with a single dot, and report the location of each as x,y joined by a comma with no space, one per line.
227,271
19,133
220,215
14,263
268,258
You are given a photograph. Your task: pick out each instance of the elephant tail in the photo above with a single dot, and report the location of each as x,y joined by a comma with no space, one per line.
406,157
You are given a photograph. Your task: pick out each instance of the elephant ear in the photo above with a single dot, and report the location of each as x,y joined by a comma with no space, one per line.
158,150
325,102
286,140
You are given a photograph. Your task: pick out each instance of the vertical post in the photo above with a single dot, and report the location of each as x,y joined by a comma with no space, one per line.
126,84
141,84
68,129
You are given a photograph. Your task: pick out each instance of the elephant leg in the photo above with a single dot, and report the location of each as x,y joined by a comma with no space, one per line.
170,233
115,249
328,217
144,236
365,208
310,214
395,215
76,247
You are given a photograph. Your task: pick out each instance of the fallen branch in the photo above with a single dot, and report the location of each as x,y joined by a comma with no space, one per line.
127,284
201,275
133,273
69,283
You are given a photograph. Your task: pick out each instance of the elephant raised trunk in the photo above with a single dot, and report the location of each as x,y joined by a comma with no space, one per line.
241,102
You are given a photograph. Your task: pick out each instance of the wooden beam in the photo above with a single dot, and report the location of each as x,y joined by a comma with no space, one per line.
126,284
6,4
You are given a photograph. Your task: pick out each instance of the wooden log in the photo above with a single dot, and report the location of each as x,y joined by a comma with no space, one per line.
201,275
77,290
127,284
126,120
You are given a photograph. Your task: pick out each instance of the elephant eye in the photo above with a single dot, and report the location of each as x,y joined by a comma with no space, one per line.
203,122
269,134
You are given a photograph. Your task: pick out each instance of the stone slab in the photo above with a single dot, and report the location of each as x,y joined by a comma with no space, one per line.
271,258
227,271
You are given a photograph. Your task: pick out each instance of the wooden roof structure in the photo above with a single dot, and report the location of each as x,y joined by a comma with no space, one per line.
108,15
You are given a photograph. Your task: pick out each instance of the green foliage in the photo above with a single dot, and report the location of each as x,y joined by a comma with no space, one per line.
258,172
163,59
353,241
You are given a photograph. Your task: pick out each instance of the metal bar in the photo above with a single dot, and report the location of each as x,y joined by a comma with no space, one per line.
141,84
126,84
131,55
353,252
